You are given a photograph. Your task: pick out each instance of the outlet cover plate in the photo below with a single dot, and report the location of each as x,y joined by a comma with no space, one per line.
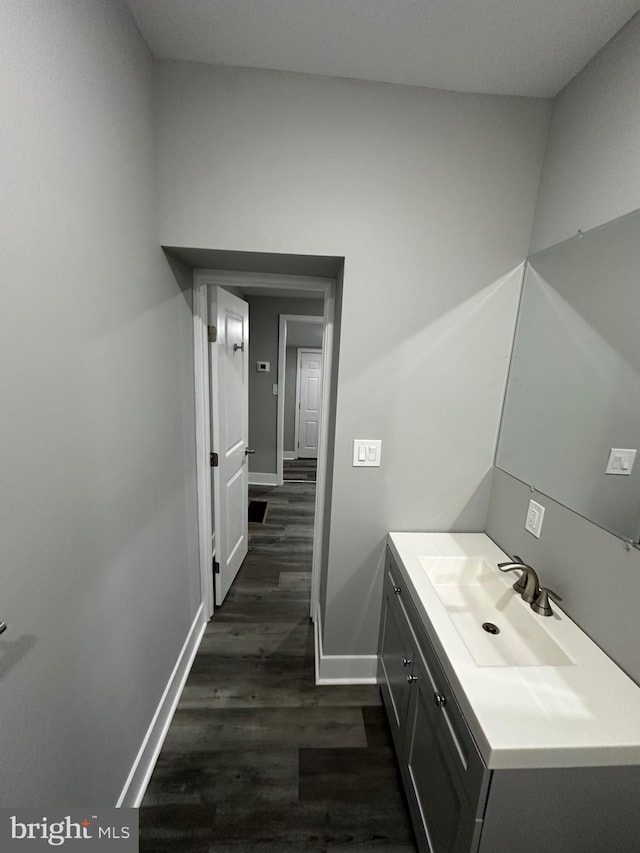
535,516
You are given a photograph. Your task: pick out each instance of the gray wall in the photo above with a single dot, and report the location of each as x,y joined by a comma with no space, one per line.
291,371
591,175
596,576
592,169
430,197
99,578
264,322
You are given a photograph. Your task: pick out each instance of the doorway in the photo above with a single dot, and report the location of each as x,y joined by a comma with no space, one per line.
265,285
308,397
296,331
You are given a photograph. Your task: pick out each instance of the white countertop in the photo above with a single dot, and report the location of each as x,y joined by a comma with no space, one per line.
586,714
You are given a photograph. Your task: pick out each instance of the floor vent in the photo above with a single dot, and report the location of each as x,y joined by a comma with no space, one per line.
257,512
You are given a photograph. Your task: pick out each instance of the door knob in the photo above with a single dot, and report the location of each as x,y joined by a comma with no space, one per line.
397,590
248,452
439,699
412,678
3,627
406,662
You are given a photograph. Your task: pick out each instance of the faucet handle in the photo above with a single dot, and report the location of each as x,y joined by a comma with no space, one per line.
541,605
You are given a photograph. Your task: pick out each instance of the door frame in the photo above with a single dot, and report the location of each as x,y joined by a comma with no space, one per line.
278,285
283,332
203,442
299,352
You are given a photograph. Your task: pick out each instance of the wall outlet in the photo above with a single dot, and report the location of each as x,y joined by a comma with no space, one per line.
533,521
263,366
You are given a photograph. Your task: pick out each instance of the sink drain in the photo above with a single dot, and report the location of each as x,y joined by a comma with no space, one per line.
490,628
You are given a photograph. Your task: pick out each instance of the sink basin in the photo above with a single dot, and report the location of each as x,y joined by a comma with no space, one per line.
474,592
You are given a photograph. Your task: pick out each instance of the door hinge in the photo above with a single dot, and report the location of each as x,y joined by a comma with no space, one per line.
212,334
216,567
213,458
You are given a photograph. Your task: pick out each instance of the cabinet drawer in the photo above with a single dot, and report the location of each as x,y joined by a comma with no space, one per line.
396,653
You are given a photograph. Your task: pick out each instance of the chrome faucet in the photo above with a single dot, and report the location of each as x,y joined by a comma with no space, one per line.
528,585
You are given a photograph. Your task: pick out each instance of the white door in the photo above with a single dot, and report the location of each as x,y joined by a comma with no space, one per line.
230,433
309,390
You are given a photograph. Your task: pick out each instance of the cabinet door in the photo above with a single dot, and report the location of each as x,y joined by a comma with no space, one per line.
395,656
445,816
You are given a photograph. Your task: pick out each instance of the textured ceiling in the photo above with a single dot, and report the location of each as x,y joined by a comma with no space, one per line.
518,47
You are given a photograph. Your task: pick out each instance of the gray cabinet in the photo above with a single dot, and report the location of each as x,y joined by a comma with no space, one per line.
444,776
396,653
457,804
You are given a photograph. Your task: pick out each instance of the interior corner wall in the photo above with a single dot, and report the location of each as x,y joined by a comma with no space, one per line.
591,170
264,324
429,196
99,565
591,175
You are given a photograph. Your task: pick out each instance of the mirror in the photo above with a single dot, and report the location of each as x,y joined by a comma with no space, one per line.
573,391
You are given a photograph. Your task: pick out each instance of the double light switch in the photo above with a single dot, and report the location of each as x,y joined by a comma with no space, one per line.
366,452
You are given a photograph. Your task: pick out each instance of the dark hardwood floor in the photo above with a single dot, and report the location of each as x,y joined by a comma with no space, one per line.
300,469
257,757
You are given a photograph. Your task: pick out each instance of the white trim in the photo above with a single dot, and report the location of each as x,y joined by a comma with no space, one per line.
262,479
323,287
289,455
342,669
203,440
134,788
316,285
283,331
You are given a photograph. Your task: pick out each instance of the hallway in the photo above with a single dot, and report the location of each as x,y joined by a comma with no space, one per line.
257,757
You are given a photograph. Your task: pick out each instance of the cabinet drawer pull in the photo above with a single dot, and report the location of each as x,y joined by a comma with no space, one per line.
406,662
440,700
397,590
412,678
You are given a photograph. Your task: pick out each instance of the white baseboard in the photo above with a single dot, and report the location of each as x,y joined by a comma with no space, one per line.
289,455
136,784
263,479
342,669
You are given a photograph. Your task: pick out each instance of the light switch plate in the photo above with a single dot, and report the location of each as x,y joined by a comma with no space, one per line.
620,461
366,452
533,521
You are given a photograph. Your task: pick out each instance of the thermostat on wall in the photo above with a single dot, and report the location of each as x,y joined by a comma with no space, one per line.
263,366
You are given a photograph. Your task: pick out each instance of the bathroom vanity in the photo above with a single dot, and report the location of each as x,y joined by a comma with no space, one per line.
522,741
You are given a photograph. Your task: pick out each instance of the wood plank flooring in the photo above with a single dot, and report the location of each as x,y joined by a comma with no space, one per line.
257,757
300,469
